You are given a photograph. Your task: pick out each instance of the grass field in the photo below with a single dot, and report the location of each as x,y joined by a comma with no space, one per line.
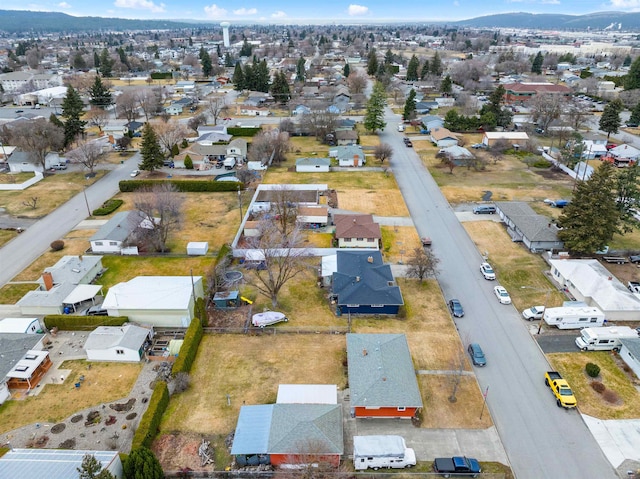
103,383
6,236
11,293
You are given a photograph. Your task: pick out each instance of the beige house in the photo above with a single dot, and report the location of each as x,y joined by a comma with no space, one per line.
357,231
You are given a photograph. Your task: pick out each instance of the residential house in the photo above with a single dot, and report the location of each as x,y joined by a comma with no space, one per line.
630,354
363,284
117,343
55,463
21,161
133,127
311,216
285,434
252,110
431,122
589,281
20,326
159,301
27,373
14,346
174,109
346,137
490,138
113,235
623,155
357,231
301,195
535,231
313,165
300,110
382,378
593,149
458,154
348,156
442,137
521,93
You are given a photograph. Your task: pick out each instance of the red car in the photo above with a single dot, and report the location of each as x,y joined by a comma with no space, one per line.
611,146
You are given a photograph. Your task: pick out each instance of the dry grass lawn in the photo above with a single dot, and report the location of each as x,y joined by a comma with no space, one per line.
398,243
515,266
103,383
249,369
571,366
11,293
6,236
380,202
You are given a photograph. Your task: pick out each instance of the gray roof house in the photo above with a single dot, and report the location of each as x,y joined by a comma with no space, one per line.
313,165
524,225
111,237
14,346
382,378
349,155
363,284
116,343
630,354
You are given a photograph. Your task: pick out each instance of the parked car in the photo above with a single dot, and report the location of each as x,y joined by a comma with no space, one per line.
478,145
168,163
267,318
484,210
477,355
134,173
487,271
502,295
408,144
634,259
19,111
59,166
534,312
456,308
94,311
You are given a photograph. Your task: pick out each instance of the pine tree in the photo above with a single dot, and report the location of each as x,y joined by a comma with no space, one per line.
347,70
100,95
205,61
635,115
410,106
238,78
280,88
591,219
388,57
435,67
249,77
142,464
610,119
446,85
261,72
72,107
300,71
536,65
424,71
150,150
374,117
96,60
412,69
106,64
372,62
92,469
632,79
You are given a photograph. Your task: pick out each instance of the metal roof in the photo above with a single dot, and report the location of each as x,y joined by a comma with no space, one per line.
633,345
381,372
252,430
119,227
152,293
51,463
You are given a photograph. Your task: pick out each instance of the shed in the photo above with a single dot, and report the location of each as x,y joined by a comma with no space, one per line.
20,325
197,248
54,463
630,354
116,343
226,299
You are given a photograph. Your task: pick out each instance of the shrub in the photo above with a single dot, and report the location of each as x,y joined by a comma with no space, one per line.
175,150
150,421
542,164
65,322
108,207
161,75
188,162
598,387
238,131
189,348
593,370
184,143
184,186
57,245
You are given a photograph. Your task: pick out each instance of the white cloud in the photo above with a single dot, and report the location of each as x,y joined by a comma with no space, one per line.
245,11
140,5
278,14
456,3
627,4
64,5
214,11
550,2
356,10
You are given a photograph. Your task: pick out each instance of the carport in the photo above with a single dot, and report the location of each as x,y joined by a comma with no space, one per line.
80,294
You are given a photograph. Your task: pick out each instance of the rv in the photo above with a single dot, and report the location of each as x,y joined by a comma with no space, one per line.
604,339
573,317
382,451
229,163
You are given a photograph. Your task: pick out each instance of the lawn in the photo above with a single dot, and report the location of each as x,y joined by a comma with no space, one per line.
571,366
104,382
6,236
398,243
11,293
518,270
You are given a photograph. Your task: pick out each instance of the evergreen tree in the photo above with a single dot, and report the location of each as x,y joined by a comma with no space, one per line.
347,70
205,61
106,64
238,78
410,106
92,469
249,77
500,116
300,71
374,117
78,62
424,71
632,79
261,72
372,62
627,61
610,120
150,150
123,57
536,65
591,219
99,94
412,69
142,464
388,57
635,114
71,111
446,85
435,67
245,51
280,88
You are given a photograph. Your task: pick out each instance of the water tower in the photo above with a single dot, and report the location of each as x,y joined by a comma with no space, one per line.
225,33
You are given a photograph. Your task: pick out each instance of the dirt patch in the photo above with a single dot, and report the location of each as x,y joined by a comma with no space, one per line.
230,318
93,418
77,418
179,451
131,416
123,407
68,444
38,442
551,173
58,428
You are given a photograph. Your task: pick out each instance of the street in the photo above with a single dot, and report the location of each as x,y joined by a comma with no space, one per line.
541,440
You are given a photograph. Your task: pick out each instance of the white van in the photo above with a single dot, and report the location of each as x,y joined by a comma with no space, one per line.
382,451
604,339
400,127
573,317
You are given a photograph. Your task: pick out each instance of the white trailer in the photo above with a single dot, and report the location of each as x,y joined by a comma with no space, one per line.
382,451
230,163
574,317
604,339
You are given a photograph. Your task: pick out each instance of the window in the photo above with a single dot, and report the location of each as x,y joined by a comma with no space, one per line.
119,351
594,320
402,409
113,243
377,305
98,243
353,305
370,240
360,239
347,240
582,320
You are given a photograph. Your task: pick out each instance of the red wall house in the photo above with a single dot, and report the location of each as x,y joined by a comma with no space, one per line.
281,459
403,412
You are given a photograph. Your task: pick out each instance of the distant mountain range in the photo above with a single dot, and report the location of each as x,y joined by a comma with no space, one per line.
20,21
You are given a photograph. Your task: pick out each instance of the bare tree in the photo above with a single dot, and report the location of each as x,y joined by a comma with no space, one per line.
319,122
357,82
383,152
97,117
446,160
169,133
215,107
162,207
545,108
197,121
272,145
127,105
457,368
422,263
283,260
576,114
149,102
88,154
37,138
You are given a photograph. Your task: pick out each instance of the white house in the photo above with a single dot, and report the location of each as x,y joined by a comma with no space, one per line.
443,138
117,343
491,137
349,155
165,301
313,165
313,216
630,354
111,236
20,325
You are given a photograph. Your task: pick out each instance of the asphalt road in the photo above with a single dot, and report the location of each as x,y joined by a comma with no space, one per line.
564,342
29,245
541,440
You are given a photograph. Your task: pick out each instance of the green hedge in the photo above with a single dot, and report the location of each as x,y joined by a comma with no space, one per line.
239,131
189,347
185,186
108,207
150,422
66,322
161,75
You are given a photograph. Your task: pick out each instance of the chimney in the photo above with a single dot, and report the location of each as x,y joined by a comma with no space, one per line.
357,279
48,280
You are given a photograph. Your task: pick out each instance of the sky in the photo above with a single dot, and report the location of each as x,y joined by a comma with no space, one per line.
325,11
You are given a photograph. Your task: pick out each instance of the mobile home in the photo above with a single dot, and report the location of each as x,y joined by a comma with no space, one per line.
382,451
604,339
573,317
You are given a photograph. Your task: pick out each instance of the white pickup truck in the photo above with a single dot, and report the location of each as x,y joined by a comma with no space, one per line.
634,286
